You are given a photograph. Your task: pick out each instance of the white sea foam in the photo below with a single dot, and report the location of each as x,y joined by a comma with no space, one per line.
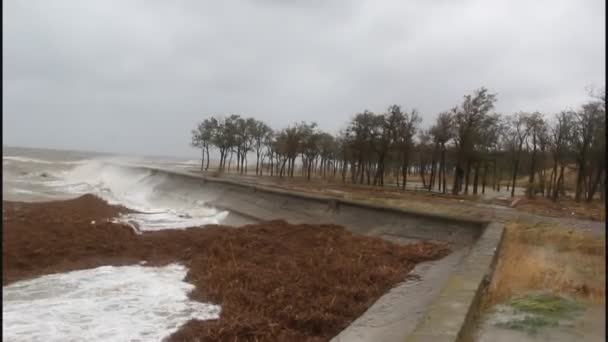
40,161
129,303
23,191
137,189
192,162
118,180
172,220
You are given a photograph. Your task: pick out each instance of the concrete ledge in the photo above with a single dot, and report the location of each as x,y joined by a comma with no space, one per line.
331,201
265,203
396,314
442,309
451,316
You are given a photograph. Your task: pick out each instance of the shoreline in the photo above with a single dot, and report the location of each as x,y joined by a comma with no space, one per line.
318,278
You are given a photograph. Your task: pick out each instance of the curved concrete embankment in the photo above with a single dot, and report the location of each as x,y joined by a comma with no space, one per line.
438,307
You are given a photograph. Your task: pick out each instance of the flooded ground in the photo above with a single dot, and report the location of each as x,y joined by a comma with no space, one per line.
505,324
549,285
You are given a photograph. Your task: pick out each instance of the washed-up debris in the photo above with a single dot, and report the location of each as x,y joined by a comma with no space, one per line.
274,281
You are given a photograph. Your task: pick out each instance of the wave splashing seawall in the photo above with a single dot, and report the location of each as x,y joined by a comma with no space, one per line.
159,204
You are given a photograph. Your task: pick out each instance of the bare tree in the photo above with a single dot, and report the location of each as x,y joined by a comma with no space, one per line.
535,128
559,143
518,132
487,144
259,133
442,133
223,139
328,150
589,140
424,151
309,141
360,131
407,129
470,139
468,119
201,138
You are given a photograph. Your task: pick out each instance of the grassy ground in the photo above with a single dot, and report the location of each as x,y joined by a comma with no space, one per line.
542,257
565,207
533,312
549,284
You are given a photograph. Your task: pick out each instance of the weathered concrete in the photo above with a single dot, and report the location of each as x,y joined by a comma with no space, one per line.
267,204
397,313
450,317
440,307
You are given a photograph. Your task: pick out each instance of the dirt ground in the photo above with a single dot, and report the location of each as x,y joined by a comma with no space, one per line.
567,266
274,281
543,257
545,246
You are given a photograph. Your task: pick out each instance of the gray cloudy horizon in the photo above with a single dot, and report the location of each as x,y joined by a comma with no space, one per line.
135,77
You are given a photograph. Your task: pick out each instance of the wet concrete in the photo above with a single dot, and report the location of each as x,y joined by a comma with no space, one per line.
438,307
387,319
453,313
267,204
588,326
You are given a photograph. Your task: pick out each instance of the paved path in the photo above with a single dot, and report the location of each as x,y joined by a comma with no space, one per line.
465,208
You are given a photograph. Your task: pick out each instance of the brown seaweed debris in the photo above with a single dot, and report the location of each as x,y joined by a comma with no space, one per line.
275,281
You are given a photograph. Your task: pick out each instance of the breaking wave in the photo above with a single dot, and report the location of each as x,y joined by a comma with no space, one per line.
7,159
159,203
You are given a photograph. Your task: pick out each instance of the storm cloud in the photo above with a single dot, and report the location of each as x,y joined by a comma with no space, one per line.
136,76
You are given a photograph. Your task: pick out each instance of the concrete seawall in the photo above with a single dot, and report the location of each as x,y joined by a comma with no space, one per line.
264,203
439,307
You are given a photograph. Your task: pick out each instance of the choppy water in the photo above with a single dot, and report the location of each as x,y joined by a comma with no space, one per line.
128,303
132,303
33,175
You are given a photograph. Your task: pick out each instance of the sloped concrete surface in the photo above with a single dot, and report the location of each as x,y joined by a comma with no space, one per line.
450,317
439,307
397,313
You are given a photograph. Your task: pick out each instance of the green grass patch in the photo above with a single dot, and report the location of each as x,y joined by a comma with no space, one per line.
545,305
530,324
540,311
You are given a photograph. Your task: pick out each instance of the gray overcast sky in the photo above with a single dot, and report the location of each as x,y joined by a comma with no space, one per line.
135,76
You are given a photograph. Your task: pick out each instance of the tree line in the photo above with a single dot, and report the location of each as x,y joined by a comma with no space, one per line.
468,148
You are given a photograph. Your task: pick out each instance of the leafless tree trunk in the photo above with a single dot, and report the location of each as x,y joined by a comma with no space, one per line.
404,174
515,168
593,187
202,159
476,178
271,157
485,176
282,167
467,173
552,179
230,162
531,191
603,186
558,183
207,152
580,178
